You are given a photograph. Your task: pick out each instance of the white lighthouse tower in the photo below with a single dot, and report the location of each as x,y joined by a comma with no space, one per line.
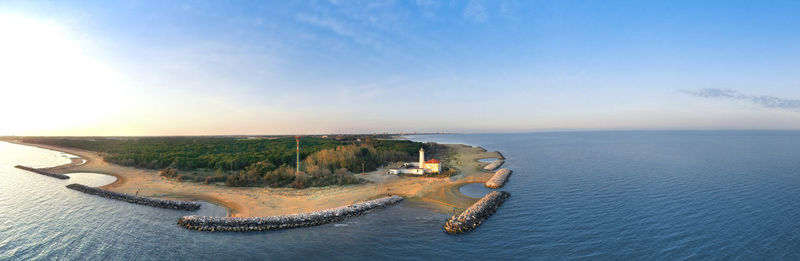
421,158
430,166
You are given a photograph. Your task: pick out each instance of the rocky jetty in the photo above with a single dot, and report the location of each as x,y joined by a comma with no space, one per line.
475,214
241,224
499,179
494,165
153,202
43,172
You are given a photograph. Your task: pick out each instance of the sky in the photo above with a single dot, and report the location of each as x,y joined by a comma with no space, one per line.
119,68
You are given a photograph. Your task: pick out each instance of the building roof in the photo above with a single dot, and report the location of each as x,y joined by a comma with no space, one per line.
433,161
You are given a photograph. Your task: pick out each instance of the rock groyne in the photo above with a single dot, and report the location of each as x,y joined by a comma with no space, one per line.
153,202
499,179
43,172
475,214
241,224
494,165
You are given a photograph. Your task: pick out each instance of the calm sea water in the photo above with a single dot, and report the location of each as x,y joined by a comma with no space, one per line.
579,195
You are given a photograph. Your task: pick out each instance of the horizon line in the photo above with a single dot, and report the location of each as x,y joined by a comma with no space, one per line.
418,133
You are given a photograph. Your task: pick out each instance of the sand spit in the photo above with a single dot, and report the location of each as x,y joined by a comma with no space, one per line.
240,224
499,179
153,202
439,194
477,213
43,172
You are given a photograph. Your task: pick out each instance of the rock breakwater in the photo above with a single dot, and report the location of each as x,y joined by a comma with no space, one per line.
241,224
499,179
494,165
153,202
43,172
476,214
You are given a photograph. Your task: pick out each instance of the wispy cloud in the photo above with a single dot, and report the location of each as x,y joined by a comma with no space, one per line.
762,100
428,8
476,11
328,23
339,27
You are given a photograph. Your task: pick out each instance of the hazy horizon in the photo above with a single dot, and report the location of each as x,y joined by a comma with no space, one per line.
540,131
133,68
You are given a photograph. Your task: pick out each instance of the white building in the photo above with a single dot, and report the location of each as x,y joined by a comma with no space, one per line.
419,168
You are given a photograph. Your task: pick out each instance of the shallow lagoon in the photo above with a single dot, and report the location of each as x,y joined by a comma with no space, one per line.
474,190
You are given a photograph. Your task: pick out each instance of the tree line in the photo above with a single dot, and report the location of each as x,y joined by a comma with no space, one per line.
251,162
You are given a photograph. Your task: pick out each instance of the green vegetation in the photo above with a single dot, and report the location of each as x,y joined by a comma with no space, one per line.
264,161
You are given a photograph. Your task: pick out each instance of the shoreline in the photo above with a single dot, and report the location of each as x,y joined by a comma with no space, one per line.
438,194
82,159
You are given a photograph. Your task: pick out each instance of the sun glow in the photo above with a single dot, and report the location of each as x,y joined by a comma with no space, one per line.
47,82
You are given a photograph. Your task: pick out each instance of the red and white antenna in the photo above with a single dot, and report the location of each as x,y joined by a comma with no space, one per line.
297,167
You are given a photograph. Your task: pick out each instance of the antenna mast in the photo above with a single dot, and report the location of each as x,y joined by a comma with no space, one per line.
297,167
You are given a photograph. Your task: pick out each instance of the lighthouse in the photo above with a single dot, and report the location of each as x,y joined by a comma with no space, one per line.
421,157
430,166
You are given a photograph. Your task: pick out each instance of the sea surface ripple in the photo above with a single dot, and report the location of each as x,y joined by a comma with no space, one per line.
671,195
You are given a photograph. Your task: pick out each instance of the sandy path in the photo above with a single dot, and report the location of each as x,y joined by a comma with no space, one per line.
440,194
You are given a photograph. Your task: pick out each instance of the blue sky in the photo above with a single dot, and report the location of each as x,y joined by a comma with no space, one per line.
266,67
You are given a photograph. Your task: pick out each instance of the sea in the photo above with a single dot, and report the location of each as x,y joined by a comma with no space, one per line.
617,195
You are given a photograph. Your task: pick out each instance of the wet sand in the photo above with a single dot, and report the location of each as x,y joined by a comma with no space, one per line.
439,194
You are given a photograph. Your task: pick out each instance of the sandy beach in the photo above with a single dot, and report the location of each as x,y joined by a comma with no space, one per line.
439,194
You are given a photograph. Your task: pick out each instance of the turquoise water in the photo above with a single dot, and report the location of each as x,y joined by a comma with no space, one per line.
574,195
